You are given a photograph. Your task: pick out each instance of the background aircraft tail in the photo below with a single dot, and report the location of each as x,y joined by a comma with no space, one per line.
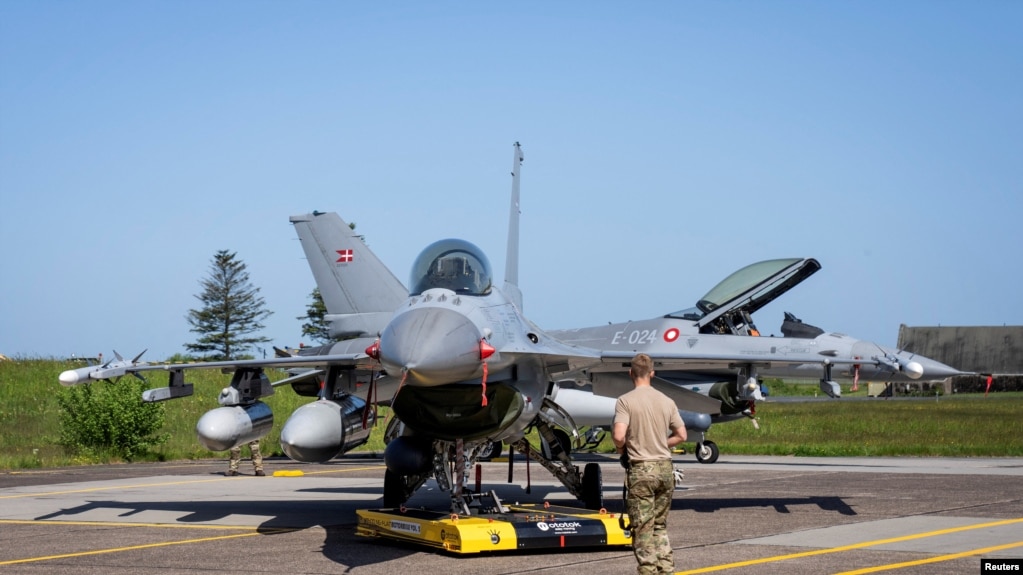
359,291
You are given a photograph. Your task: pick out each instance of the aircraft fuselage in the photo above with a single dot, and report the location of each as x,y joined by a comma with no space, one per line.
668,336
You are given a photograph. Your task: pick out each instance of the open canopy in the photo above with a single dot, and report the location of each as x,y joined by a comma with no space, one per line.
734,299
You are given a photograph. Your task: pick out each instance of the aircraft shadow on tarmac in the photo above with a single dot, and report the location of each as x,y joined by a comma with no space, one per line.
282,515
292,513
342,547
780,504
337,518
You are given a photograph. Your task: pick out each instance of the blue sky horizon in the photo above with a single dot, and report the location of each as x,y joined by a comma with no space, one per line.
666,145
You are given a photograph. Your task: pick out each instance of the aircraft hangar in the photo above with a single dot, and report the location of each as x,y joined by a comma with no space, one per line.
996,350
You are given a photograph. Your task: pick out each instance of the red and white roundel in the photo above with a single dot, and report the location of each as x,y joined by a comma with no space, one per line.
671,335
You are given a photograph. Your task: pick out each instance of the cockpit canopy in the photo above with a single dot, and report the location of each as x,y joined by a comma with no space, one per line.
757,281
451,264
728,306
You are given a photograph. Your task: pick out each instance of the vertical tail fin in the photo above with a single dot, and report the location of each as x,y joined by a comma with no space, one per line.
511,267
360,293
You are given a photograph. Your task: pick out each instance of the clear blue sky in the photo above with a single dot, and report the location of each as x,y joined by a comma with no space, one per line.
667,144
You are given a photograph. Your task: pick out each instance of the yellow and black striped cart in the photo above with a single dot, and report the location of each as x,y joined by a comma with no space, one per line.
514,527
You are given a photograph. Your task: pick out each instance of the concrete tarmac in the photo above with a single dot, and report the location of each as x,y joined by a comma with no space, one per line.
742,515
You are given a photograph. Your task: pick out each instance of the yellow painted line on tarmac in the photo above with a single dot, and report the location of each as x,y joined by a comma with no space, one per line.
250,531
119,487
854,546
59,471
344,470
114,487
137,547
126,524
938,559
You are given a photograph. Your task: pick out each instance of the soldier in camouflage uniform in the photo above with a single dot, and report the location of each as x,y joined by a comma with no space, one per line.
236,457
646,426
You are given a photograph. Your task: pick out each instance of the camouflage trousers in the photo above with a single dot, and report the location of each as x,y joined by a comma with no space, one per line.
650,485
257,457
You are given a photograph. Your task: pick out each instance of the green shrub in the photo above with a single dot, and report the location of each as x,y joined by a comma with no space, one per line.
109,418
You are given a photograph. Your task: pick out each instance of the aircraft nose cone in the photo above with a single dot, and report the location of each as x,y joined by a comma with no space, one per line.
433,345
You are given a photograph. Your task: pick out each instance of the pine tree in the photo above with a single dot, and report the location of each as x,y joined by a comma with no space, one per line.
316,327
232,311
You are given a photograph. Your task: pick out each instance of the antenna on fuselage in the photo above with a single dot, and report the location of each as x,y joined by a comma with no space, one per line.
511,266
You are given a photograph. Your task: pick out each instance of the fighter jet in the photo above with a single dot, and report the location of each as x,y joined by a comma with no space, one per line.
709,350
716,350
462,368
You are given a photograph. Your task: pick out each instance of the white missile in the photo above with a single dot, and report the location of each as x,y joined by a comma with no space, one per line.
108,370
85,374
76,376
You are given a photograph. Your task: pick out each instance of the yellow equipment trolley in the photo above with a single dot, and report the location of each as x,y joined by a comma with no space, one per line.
498,528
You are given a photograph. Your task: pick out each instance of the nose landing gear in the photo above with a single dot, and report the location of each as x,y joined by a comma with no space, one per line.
707,452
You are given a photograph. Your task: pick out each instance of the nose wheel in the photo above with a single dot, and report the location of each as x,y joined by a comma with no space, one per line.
491,450
707,452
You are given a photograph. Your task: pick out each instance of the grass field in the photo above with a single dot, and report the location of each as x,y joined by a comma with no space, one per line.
960,425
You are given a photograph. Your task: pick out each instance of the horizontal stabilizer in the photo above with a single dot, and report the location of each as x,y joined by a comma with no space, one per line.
357,324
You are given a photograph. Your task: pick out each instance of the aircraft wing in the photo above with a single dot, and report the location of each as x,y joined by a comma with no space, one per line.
609,378
120,367
561,358
619,360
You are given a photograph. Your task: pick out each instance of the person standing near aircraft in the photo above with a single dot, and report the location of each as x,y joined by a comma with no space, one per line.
646,426
236,457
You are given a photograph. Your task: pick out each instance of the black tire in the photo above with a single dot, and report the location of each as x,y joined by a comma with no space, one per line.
394,489
593,487
494,449
707,452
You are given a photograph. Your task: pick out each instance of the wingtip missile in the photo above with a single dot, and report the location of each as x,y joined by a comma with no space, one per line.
75,376
910,368
86,374
108,370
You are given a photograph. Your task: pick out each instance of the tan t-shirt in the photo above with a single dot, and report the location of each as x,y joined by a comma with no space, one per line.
650,415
